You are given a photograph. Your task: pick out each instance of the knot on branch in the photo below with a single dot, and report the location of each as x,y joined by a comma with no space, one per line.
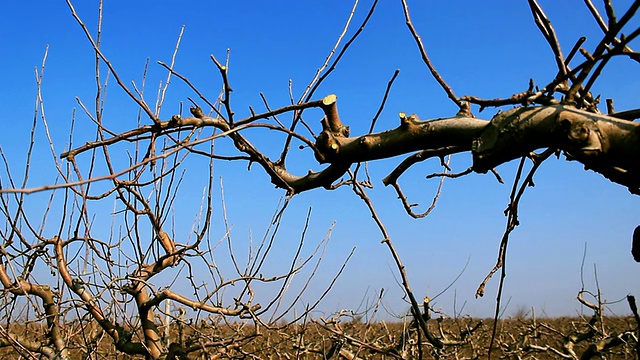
502,139
327,146
582,138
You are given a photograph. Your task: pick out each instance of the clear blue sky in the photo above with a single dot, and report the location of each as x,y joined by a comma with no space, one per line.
484,48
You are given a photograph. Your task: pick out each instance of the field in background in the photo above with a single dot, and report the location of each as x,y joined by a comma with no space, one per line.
345,337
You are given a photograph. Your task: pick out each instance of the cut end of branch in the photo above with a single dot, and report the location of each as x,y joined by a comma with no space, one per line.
329,100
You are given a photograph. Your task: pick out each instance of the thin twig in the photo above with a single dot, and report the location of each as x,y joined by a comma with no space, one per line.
143,105
436,75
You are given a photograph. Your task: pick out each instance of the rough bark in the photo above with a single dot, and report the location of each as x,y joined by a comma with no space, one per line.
607,145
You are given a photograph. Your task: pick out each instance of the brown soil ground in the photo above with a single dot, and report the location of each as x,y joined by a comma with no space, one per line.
464,338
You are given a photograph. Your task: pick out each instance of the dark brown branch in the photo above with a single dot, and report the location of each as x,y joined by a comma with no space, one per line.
549,33
416,158
384,100
634,310
436,75
415,308
177,123
226,101
522,98
601,48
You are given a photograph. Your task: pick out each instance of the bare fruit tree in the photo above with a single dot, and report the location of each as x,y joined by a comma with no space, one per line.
124,289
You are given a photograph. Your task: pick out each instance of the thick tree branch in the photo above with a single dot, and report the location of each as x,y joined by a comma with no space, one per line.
602,143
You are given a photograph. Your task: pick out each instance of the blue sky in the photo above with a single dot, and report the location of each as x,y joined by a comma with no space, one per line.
489,49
